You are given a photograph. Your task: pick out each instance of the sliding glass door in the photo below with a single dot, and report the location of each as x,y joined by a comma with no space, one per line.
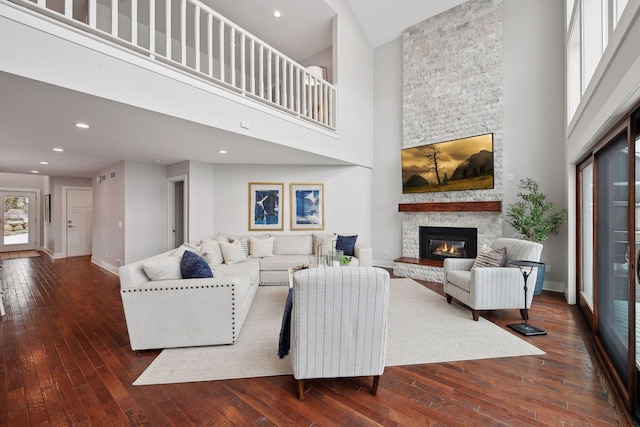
612,252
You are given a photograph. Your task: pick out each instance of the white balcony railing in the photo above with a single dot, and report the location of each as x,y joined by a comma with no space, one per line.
191,36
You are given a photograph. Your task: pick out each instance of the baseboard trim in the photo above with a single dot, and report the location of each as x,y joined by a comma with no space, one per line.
105,266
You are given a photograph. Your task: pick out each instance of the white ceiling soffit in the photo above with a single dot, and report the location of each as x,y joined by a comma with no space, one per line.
303,29
385,20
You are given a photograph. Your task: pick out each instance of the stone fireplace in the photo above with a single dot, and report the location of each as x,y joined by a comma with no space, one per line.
446,98
483,217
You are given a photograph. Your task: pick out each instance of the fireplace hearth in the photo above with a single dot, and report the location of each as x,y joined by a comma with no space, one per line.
438,243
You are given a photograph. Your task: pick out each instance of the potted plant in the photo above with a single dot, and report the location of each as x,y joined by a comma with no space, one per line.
534,218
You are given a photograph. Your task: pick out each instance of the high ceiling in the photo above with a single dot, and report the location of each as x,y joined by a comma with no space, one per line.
35,117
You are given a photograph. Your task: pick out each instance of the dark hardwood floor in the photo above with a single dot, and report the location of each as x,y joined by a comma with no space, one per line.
66,360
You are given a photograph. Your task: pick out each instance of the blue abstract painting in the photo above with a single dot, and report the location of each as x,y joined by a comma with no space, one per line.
307,206
267,207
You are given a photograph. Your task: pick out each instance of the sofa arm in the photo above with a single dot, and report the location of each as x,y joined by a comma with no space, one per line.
364,255
464,264
181,313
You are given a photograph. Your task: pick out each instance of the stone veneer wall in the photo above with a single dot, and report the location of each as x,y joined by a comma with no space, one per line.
452,72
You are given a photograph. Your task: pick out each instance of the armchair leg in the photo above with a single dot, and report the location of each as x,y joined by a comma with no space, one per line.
301,389
524,312
476,314
449,298
374,388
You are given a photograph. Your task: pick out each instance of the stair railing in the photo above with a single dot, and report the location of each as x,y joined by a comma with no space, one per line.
192,37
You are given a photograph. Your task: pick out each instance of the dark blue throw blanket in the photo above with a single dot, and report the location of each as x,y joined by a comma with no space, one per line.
285,330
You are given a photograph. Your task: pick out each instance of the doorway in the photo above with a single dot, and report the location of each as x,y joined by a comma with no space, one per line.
19,220
177,222
78,221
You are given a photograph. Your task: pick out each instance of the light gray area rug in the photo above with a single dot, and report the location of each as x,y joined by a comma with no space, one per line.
423,328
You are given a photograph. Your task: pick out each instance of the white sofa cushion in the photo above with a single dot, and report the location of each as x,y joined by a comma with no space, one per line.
260,248
163,268
282,262
293,244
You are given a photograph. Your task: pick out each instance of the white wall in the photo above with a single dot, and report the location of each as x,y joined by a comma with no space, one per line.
387,174
108,211
202,204
145,208
534,114
533,123
347,191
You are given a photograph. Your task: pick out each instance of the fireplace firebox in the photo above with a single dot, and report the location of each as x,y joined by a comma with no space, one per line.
438,243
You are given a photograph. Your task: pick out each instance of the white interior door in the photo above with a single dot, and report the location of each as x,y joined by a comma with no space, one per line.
79,221
18,221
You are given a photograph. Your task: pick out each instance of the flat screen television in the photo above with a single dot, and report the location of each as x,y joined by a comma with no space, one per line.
457,165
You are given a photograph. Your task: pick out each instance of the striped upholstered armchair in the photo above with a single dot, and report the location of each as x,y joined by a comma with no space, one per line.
339,323
492,288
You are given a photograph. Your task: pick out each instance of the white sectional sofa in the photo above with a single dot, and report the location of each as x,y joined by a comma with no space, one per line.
164,310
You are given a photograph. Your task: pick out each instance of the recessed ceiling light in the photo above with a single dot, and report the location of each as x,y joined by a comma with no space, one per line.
276,13
35,171
59,150
44,163
156,161
82,125
222,151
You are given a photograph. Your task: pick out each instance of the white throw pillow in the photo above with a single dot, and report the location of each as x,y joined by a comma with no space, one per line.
210,252
221,239
165,268
186,247
232,252
261,248
244,242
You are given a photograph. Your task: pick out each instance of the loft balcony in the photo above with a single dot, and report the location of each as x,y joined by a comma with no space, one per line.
192,38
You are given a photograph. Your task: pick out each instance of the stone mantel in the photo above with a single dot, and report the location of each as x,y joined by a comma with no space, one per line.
490,206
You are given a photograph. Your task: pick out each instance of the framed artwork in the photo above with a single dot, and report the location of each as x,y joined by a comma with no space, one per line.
265,206
47,208
307,206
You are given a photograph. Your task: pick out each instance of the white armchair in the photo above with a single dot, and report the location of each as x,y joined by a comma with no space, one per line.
339,323
493,288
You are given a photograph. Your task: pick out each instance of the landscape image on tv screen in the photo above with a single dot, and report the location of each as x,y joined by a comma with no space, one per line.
461,164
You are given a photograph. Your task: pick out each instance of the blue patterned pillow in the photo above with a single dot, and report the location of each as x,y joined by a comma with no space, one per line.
346,244
194,267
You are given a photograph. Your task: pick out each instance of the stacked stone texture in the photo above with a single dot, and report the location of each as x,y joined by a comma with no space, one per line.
452,72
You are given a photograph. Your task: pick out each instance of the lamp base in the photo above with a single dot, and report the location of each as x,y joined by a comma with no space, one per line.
526,329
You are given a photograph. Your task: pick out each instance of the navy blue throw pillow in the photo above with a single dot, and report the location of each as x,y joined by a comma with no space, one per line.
346,244
194,267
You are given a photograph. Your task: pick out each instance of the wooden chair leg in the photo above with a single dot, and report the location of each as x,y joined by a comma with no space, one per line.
476,314
374,388
301,389
449,298
524,312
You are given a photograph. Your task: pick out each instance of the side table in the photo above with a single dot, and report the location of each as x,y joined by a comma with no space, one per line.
526,267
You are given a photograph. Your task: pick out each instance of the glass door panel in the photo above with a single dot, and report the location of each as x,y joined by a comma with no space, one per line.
612,252
586,239
18,221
